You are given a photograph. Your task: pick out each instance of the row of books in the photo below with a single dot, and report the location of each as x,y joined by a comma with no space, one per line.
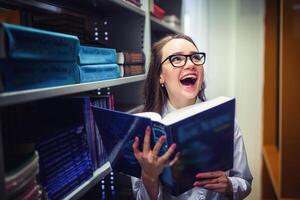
160,13
67,143
34,58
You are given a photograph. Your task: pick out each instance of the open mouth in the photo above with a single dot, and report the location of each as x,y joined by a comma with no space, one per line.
188,80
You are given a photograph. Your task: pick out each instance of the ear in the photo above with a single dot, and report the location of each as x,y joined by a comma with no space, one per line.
161,79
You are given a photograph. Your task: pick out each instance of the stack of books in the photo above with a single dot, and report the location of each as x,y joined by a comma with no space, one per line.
33,58
131,63
96,64
65,161
21,181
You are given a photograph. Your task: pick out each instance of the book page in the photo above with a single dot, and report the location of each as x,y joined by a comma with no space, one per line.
188,111
152,115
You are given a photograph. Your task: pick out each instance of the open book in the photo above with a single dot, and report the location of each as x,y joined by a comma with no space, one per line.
203,133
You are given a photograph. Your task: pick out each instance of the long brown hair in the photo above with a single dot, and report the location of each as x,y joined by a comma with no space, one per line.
155,96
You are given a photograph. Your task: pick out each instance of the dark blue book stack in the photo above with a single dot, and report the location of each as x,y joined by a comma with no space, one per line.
56,129
64,161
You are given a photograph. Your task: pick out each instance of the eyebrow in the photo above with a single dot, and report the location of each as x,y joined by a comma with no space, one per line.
181,53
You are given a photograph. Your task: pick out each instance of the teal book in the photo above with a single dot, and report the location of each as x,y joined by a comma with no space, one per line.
21,42
98,72
202,132
96,55
24,74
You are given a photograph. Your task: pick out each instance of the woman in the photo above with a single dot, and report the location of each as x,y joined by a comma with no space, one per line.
175,80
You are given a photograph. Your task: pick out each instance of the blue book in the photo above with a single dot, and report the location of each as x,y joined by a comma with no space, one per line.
203,133
95,55
98,72
24,74
21,42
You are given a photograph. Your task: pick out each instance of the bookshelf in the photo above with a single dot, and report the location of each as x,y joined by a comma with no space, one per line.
160,28
281,140
122,26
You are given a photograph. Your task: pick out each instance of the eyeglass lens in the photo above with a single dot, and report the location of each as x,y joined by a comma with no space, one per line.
180,60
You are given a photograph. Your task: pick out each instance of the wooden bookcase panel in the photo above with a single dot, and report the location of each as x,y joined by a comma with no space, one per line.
281,100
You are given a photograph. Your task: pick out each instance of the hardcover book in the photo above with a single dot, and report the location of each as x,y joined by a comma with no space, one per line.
132,69
130,57
26,74
20,42
96,55
203,133
98,72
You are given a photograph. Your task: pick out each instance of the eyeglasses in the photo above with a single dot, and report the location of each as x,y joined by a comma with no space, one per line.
180,60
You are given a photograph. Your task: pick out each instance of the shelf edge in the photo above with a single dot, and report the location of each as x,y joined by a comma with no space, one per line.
271,158
97,176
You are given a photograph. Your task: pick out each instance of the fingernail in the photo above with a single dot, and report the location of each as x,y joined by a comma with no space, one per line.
148,128
136,138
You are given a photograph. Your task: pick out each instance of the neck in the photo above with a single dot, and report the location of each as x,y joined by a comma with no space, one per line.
183,103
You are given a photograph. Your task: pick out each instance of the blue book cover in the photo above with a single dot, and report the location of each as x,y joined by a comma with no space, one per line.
203,133
21,42
24,74
95,55
98,72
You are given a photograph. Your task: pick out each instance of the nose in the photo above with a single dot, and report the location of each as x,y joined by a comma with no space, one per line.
189,63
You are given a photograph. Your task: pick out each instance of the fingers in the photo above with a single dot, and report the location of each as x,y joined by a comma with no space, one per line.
135,148
215,181
206,182
146,146
158,145
206,175
174,160
164,158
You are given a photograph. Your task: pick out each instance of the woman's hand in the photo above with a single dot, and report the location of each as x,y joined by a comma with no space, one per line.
215,181
152,165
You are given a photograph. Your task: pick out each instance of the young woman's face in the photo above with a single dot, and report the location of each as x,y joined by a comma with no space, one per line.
183,83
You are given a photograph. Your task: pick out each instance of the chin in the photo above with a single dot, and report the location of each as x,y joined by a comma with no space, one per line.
190,95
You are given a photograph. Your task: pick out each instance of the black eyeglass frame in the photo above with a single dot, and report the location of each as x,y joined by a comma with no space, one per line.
186,56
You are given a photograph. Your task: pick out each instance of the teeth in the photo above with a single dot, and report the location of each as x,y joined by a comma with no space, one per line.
189,76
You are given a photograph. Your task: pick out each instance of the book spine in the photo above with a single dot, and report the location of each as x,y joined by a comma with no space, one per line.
132,70
91,140
23,74
20,42
95,55
10,16
158,11
89,73
126,57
